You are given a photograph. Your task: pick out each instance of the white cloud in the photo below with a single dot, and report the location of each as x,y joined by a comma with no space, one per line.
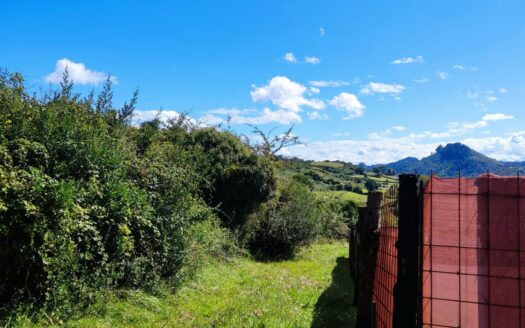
330,83
376,87
316,116
285,94
240,116
349,103
463,68
503,90
314,90
322,31
290,57
497,117
370,151
163,115
384,150
442,75
472,95
385,133
491,98
481,106
408,60
78,73
422,80
507,148
231,111
461,128
312,60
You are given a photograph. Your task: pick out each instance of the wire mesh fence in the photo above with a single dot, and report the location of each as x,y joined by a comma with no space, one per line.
472,270
447,253
386,261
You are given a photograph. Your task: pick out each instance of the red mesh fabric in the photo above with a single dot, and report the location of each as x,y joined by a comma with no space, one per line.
386,261
473,258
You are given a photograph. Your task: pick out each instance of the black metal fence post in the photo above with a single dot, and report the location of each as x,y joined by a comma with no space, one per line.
366,258
406,290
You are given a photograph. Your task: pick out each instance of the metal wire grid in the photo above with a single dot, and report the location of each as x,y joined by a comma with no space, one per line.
490,311
386,262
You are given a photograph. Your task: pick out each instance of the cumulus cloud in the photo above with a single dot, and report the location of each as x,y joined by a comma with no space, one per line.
78,72
497,117
349,103
503,90
421,80
491,98
370,150
316,116
461,128
472,94
285,94
322,31
243,116
329,83
314,90
442,75
408,60
377,87
290,57
312,60
385,133
163,115
506,148
463,68
382,150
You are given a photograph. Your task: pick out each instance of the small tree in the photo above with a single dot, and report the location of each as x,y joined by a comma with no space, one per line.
271,144
371,185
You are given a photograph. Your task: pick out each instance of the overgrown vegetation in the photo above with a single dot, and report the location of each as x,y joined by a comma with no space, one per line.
312,290
91,201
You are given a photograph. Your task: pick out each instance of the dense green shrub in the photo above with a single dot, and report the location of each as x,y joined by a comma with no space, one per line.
372,185
283,224
237,179
335,215
88,201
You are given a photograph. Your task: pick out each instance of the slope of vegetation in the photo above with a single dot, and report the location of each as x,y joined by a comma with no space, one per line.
347,179
91,202
313,290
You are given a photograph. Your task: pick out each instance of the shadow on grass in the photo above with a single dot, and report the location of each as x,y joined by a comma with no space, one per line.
334,306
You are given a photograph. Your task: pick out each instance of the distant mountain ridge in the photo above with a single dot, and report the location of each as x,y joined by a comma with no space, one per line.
454,158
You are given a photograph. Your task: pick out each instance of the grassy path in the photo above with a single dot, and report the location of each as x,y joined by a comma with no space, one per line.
313,290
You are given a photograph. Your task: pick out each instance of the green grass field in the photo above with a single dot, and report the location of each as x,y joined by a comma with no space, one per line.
313,290
349,195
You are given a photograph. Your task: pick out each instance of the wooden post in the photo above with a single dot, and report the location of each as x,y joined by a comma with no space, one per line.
366,258
406,289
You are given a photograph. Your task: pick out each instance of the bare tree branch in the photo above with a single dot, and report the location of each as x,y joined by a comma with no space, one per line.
272,144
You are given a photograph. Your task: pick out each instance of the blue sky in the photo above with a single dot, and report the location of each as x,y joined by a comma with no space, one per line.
363,81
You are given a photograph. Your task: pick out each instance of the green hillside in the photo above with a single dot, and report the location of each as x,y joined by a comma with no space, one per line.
344,178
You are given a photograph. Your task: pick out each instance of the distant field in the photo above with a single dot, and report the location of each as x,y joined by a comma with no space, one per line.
340,177
349,195
312,291
328,164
